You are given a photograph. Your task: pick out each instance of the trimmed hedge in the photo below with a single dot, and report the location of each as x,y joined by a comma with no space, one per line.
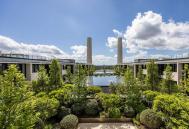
150,119
91,108
69,122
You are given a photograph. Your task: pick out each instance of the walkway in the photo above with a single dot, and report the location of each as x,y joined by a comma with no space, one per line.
106,126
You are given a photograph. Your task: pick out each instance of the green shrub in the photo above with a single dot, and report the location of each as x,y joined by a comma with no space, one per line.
129,111
69,122
150,119
174,110
46,107
92,90
114,113
150,95
15,109
42,82
91,107
63,111
78,108
64,94
108,100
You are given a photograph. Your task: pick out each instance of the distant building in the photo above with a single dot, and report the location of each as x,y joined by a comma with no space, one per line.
29,65
177,65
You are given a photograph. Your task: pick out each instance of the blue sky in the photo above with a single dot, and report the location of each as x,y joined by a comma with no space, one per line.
65,23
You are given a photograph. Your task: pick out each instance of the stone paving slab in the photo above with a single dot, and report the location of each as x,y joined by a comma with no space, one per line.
106,126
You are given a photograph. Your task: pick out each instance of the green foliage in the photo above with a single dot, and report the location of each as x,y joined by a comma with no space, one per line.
132,89
92,90
68,76
119,70
152,77
69,122
167,84
108,100
63,111
184,86
55,79
45,106
149,96
64,95
78,108
15,111
42,82
91,108
79,79
174,110
150,119
113,87
114,112
140,75
129,111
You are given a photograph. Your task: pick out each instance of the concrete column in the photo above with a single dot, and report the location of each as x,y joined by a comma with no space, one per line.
89,50
29,72
119,51
179,72
135,72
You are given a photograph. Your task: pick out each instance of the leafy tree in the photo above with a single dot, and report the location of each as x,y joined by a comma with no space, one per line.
184,86
79,81
132,90
119,70
69,76
167,83
42,82
55,79
15,112
152,78
140,75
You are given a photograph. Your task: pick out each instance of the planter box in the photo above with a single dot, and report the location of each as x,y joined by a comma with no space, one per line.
104,120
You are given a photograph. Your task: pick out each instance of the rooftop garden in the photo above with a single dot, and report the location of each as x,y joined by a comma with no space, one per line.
51,102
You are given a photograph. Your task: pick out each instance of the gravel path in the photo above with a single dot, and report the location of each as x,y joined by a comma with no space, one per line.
106,126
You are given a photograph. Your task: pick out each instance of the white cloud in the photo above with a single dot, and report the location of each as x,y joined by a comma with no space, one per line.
78,49
8,45
117,33
79,52
112,42
102,59
149,31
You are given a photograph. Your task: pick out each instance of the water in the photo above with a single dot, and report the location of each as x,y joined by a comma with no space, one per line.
101,80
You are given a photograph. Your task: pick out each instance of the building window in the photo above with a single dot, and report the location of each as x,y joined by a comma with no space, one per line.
35,68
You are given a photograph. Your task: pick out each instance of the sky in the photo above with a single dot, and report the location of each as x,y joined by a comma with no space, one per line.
59,28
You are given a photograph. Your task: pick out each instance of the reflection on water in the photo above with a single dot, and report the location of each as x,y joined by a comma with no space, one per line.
101,80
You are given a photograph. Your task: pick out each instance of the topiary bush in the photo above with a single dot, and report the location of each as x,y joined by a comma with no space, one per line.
114,113
150,119
129,111
63,111
91,108
78,108
69,122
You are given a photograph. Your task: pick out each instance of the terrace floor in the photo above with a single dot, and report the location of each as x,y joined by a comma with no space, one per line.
106,126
